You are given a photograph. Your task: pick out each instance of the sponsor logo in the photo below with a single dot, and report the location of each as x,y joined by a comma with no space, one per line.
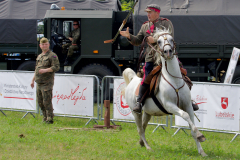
121,103
200,99
224,102
224,115
74,96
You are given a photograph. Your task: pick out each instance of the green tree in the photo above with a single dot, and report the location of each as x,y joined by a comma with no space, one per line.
40,29
127,4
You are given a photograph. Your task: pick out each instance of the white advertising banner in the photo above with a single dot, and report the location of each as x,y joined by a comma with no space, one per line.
232,65
218,106
73,95
15,91
121,109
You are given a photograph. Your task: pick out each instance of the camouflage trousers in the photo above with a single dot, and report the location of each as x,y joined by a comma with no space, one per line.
71,49
44,98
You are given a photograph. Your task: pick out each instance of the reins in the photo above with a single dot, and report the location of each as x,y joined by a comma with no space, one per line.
161,53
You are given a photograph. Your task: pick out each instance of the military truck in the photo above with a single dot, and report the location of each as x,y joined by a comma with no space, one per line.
205,34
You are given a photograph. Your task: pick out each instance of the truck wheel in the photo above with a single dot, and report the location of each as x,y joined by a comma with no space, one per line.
27,66
236,76
100,71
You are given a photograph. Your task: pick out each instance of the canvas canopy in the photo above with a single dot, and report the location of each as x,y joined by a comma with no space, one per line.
203,22
18,18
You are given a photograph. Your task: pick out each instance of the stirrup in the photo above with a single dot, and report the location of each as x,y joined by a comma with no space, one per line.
195,106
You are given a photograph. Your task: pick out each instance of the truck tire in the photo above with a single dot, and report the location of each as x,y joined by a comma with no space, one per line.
236,76
27,66
100,71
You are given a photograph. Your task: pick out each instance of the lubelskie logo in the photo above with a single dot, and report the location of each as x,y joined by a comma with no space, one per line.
224,102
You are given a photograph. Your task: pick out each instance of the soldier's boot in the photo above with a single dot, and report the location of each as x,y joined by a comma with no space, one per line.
49,117
138,105
195,106
44,116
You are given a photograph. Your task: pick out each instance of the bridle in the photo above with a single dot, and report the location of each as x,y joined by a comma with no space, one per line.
160,51
166,43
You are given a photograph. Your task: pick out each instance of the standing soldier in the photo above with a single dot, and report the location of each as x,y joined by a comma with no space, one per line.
46,65
74,36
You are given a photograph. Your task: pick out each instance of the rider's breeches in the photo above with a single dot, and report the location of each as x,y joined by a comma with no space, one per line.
148,67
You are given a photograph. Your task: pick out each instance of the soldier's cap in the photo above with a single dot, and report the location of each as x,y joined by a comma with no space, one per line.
153,7
44,40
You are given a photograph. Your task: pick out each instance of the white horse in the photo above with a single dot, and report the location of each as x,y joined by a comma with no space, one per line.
174,96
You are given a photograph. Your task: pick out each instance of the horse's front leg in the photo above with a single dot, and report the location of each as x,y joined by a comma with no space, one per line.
146,118
172,108
141,131
195,136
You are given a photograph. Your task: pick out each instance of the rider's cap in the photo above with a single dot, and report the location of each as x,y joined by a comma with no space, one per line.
44,40
153,7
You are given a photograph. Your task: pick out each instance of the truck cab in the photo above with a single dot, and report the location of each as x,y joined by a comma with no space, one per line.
94,56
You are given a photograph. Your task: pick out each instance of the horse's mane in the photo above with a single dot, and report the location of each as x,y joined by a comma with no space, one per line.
156,35
160,31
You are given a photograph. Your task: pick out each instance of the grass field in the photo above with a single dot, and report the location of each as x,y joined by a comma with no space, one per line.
44,141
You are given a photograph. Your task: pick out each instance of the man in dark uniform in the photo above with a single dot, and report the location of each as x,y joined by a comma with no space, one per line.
47,64
147,29
74,36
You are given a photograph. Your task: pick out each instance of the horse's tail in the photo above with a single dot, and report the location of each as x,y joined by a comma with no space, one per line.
128,75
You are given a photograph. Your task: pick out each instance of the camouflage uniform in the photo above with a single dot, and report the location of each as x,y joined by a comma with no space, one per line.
45,82
75,34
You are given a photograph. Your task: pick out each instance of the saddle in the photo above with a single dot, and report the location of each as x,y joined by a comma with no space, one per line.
155,74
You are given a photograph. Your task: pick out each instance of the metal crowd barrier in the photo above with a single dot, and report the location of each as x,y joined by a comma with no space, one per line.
205,129
107,90
96,86
2,109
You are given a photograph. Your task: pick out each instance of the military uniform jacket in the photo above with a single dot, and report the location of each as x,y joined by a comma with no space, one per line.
137,40
47,60
75,34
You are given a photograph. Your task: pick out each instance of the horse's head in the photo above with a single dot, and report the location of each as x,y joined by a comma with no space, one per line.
165,41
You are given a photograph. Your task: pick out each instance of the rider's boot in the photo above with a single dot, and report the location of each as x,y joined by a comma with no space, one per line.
138,105
195,106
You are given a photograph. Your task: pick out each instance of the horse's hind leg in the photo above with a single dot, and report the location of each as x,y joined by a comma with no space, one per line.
195,135
141,131
145,119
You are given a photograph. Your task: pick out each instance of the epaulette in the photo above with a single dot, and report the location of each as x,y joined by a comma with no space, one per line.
146,22
162,19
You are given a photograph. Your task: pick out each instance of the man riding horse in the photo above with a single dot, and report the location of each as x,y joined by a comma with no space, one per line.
146,32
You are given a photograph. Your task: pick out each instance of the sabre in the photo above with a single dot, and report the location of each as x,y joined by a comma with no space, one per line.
121,27
196,117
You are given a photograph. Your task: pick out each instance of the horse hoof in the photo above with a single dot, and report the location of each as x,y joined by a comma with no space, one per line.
149,148
203,154
201,138
141,143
